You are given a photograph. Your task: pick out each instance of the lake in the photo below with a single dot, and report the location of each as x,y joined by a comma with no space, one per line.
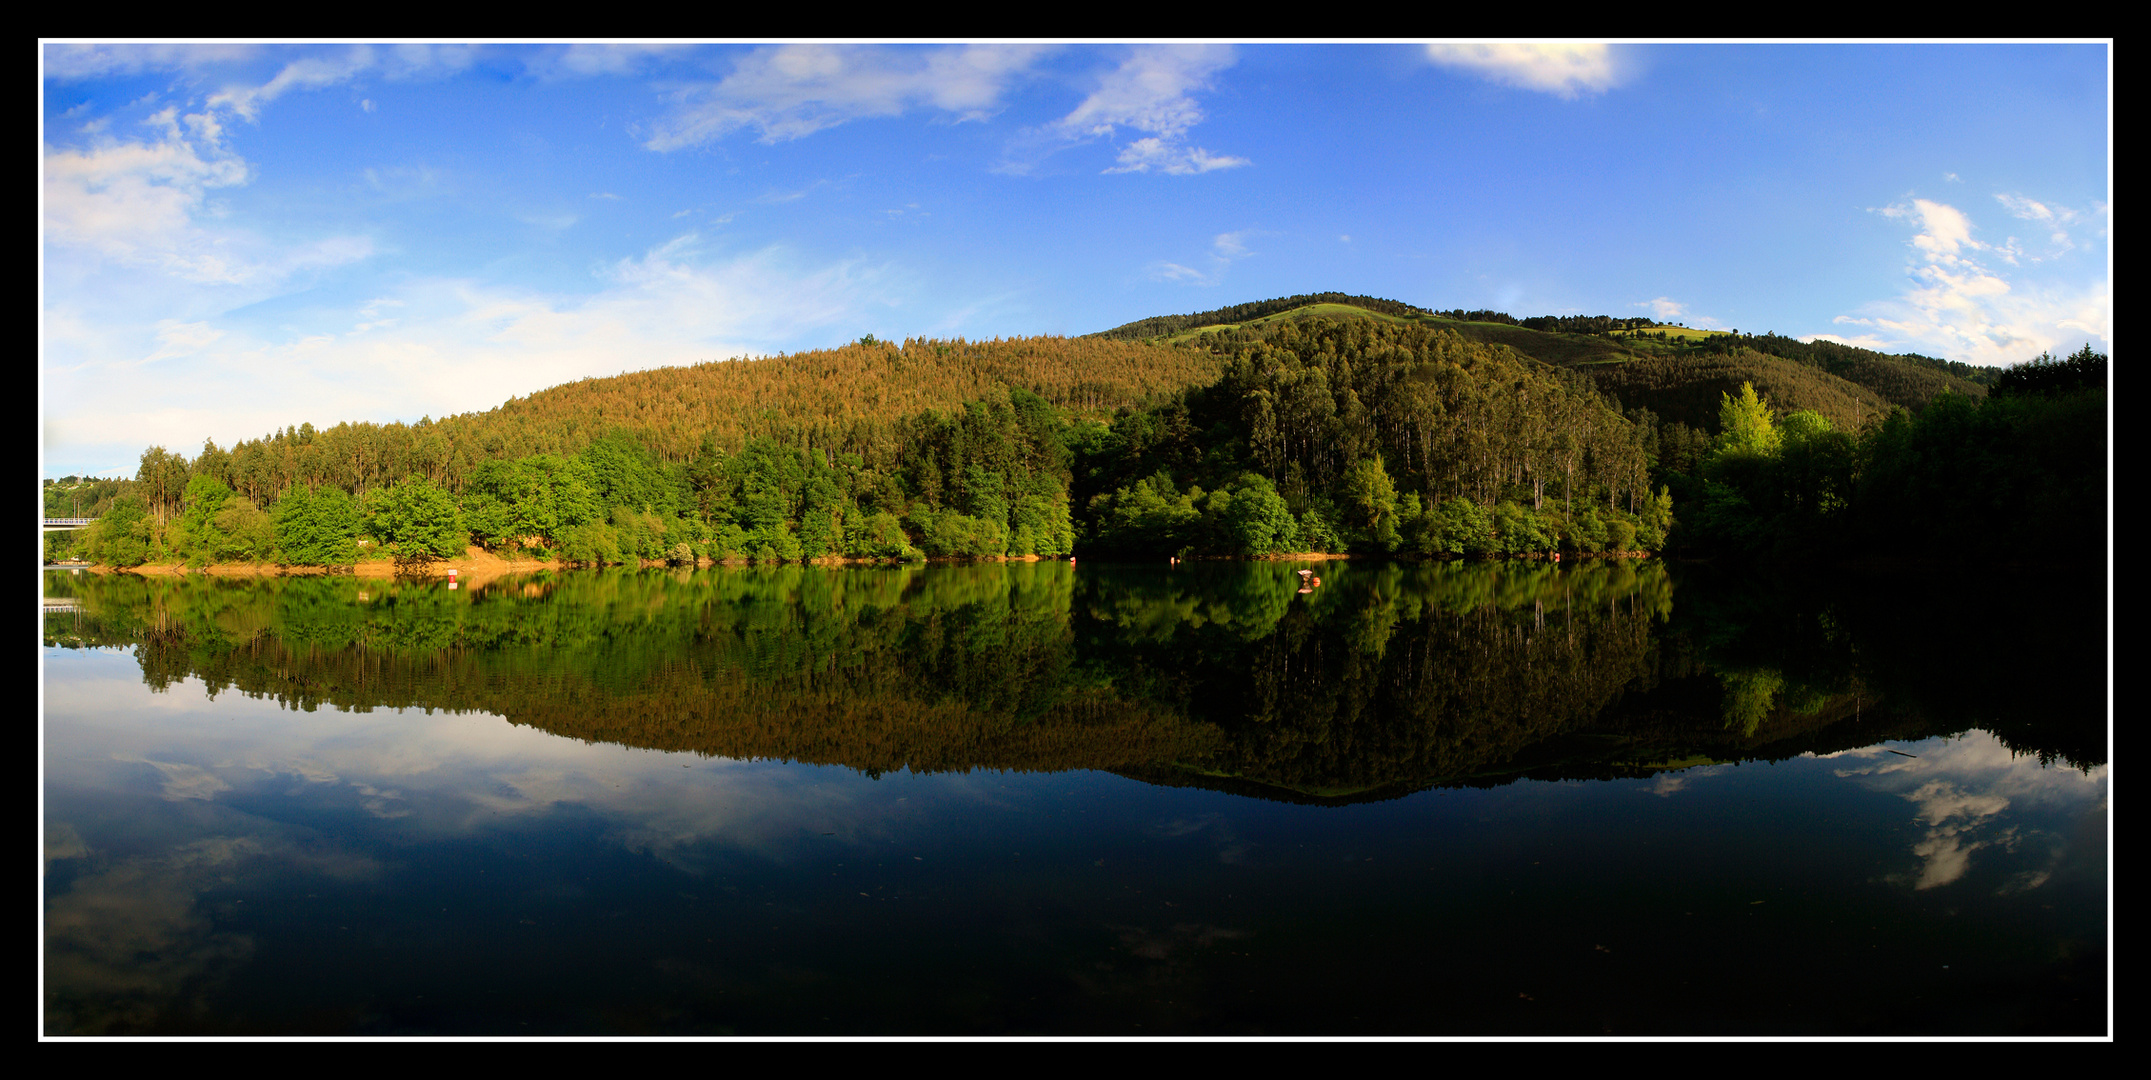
1615,798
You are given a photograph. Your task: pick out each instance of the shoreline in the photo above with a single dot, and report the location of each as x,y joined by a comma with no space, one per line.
478,565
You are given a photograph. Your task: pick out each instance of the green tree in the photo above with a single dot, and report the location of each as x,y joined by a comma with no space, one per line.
1257,519
1744,425
416,521
122,536
317,527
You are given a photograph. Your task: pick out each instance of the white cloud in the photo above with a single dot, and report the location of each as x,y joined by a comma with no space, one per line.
1960,308
1231,245
303,74
72,62
144,205
1564,70
397,62
1663,308
1167,271
2054,217
1153,92
134,203
584,61
175,338
791,91
1143,155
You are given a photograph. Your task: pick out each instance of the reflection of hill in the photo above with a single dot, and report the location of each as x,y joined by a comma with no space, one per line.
1389,679
872,729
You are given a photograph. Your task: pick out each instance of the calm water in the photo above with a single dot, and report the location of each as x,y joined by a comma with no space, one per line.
1043,799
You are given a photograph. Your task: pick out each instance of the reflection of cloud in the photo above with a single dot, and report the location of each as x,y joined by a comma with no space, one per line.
63,842
1231,849
182,781
123,942
1969,791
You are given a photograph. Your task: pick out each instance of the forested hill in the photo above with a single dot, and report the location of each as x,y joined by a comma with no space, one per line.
1166,325
1676,372
1308,424
819,396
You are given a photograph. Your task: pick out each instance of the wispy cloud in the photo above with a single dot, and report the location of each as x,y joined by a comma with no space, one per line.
67,63
1232,245
1152,92
1563,70
1225,249
2055,218
141,204
791,91
1962,309
587,61
1170,271
398,62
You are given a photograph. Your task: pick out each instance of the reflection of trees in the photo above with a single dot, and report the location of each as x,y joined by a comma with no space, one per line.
1920,650
1388,678
1404,675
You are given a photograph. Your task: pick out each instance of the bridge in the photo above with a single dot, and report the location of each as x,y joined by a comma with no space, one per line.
65,524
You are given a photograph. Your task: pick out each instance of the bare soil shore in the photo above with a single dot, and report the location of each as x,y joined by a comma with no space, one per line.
477,565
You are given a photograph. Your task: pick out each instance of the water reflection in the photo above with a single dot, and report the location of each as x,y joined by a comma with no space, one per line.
800,800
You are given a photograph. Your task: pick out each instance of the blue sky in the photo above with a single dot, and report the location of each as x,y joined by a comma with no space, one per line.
241,237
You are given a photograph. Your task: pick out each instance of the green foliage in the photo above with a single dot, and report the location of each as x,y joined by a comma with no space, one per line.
198,536
1370,503
317,527
1745,428
1459,527
1257,519
122,536
245,532
2083,369
416,521
1748,697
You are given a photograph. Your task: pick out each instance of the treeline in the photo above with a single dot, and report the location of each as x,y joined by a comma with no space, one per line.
850,399
989,479
1562,324
1353,434
1163,325
1329,435
2019,474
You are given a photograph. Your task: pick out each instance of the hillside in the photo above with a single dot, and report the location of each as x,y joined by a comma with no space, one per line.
1158,326
1689,389
1676,372
827,391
